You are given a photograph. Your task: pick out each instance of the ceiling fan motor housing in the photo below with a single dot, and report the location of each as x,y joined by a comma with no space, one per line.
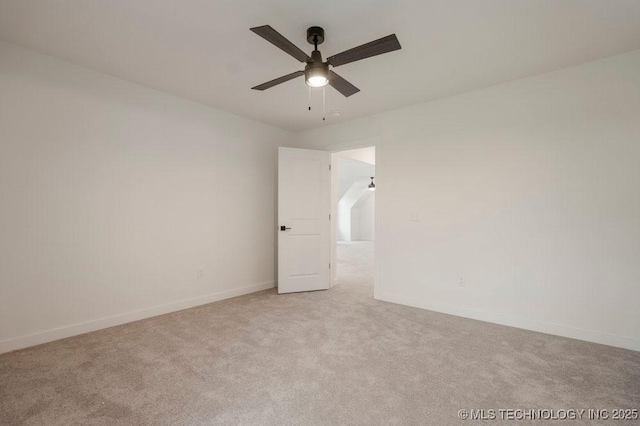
315,35
316,68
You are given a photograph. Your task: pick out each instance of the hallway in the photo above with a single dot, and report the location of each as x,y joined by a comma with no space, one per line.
355,266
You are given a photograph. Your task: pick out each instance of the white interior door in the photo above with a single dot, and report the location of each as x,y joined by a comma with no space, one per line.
304,230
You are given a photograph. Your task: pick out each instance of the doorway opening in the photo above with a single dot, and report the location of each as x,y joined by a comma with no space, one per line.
353,230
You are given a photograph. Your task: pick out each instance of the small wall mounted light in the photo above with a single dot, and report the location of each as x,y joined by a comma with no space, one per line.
372,186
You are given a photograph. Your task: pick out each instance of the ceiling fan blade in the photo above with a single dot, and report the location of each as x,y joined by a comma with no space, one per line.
278,40
373,48
342,85
279,80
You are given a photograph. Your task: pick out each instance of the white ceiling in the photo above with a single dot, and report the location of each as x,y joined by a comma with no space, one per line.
203,49
365,155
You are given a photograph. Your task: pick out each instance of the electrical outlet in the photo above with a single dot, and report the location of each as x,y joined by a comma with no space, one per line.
200,273
414,217
461,282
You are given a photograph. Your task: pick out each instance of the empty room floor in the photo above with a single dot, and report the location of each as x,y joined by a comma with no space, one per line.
330,357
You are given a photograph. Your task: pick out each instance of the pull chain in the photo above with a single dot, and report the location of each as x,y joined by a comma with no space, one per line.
309,97
323,103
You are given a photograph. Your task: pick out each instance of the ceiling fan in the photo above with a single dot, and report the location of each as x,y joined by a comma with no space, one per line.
317,72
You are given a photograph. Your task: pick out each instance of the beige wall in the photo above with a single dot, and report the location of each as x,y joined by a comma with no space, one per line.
113,196
527,192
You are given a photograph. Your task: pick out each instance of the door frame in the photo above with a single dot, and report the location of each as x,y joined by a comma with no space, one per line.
375,142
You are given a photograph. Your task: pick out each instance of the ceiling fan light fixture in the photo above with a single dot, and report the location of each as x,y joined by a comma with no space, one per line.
317,76
317,81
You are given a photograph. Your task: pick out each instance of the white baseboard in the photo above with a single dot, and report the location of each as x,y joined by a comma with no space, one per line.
514,321
100,323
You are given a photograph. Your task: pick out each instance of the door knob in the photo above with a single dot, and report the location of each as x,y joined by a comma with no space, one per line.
284,228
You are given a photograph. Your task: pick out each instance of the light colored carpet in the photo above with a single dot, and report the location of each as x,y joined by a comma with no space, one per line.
331,357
